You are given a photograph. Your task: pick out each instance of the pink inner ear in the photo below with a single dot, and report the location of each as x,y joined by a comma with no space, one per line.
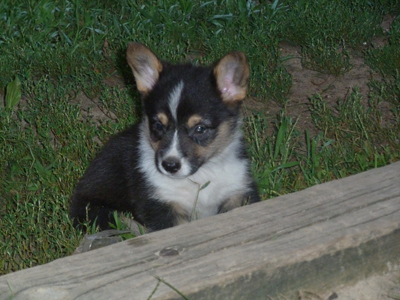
145,66
232,73
146,76
149,77
228,88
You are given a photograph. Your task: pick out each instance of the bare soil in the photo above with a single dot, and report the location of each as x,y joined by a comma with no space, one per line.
378,287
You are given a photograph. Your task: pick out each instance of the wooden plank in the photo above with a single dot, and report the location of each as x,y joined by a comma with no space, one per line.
331,233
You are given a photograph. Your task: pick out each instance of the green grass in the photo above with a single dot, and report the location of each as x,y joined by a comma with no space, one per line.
386,62
57,53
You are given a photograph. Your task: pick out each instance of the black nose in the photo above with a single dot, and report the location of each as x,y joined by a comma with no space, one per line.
171,165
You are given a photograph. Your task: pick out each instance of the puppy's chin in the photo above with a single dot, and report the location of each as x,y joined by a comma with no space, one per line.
175,176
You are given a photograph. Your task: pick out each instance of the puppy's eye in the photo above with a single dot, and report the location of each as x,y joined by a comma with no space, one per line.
158,126
200,129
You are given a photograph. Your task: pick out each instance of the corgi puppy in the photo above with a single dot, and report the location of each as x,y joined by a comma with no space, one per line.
186,158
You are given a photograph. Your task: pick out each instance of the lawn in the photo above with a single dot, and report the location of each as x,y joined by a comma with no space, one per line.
65,88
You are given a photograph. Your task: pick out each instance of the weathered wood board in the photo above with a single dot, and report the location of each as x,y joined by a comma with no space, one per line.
331,233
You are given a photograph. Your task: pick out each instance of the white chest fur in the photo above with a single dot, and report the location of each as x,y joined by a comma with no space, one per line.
226,174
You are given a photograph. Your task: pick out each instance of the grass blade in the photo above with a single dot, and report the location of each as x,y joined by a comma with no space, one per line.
13,94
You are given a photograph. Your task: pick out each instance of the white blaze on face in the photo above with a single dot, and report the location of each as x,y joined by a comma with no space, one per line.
174,98
174,147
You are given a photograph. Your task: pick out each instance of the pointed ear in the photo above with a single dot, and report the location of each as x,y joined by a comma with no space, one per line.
145,65
232,74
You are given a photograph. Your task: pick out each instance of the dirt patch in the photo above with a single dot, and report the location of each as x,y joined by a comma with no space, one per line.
378,287
307,82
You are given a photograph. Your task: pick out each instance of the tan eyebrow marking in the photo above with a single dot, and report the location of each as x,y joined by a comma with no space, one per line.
163,118
193,120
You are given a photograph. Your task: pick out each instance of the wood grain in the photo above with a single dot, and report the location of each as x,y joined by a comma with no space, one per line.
337,232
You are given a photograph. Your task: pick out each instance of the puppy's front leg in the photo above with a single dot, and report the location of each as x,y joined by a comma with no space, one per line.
157,215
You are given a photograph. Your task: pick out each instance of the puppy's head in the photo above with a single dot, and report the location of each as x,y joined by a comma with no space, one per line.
192,113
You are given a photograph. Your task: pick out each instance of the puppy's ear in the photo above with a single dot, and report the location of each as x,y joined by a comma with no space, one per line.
232,74
145,65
